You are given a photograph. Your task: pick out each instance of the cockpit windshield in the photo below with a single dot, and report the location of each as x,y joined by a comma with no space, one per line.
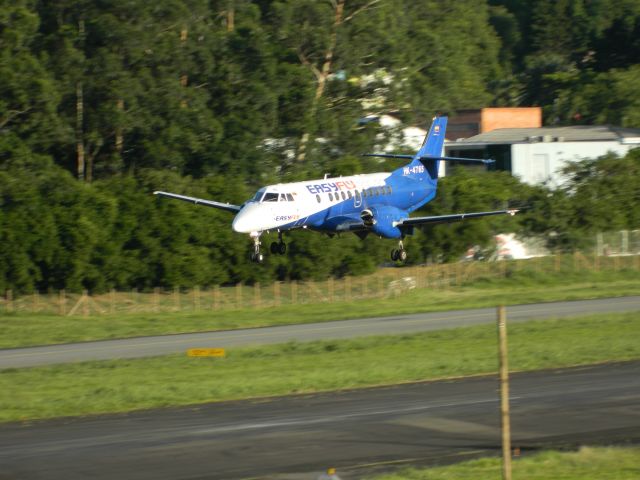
270,197
258,196
263,196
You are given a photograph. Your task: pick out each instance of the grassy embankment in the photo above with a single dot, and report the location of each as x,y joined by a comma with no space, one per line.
125,385
521,287
588,463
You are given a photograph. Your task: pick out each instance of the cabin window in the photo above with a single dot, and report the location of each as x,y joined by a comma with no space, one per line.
349,194
318,198
357,193
270,197
344,196
364,194
331,197
289,197
389,191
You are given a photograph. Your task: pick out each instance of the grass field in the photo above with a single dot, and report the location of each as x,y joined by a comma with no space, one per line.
124,385
524,286
588,463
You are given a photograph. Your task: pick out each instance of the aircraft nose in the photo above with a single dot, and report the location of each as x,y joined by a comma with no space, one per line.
246,220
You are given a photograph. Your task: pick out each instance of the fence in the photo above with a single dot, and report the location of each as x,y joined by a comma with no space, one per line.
624,242
388,282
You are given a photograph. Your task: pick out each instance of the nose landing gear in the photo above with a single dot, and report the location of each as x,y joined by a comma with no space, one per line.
256,256
399,254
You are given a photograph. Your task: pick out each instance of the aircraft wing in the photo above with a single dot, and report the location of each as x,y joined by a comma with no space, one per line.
407,222
199,201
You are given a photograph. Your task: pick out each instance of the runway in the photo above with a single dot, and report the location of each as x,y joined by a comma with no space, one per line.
358,432
401,324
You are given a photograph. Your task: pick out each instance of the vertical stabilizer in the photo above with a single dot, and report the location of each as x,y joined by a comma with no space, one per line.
432,147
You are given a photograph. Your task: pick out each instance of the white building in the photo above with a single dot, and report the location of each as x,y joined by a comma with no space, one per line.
537,155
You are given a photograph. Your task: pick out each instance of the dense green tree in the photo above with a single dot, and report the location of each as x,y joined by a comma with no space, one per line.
28,94
217,98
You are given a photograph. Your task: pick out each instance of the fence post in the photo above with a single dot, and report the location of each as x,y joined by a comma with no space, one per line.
238,295
276,293
176,298
36,301
135,299
196,298
62,302
9,299
216,297
156,299
257,300
85,303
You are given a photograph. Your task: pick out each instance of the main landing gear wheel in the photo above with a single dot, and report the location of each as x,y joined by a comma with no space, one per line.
278,248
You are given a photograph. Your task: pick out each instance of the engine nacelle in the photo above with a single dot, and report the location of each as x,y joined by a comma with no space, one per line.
381,221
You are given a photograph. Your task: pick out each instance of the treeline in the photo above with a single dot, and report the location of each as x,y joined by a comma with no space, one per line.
58,233
103,102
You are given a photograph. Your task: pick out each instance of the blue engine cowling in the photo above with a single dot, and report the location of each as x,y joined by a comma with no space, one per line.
383,217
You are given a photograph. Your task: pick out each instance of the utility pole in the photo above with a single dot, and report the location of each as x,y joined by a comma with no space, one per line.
504,394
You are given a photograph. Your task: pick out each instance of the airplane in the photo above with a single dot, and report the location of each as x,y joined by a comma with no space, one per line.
374,203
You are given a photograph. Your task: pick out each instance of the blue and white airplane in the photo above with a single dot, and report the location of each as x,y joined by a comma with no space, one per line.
377,203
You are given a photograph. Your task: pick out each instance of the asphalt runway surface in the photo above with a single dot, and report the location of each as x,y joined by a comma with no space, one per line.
335,330
359,432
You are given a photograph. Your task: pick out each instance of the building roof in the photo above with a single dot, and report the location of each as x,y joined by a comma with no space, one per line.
576,133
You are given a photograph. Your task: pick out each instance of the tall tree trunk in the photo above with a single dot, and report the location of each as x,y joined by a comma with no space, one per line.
80,131
184,78
231,16
119,133
322,74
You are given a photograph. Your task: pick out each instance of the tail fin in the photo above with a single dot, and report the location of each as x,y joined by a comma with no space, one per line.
432,147
430,152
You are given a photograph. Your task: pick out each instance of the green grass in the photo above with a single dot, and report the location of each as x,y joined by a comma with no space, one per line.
588,463
124,385
520,286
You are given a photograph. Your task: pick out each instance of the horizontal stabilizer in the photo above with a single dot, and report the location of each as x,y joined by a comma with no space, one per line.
388,155
200,201
486,161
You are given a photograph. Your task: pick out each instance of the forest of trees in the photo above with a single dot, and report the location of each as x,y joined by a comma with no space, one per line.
102,103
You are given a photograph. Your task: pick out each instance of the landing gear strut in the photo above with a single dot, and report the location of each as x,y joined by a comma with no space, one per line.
256,256
399,254
279,247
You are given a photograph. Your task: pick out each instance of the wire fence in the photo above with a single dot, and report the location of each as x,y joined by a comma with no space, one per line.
385,283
